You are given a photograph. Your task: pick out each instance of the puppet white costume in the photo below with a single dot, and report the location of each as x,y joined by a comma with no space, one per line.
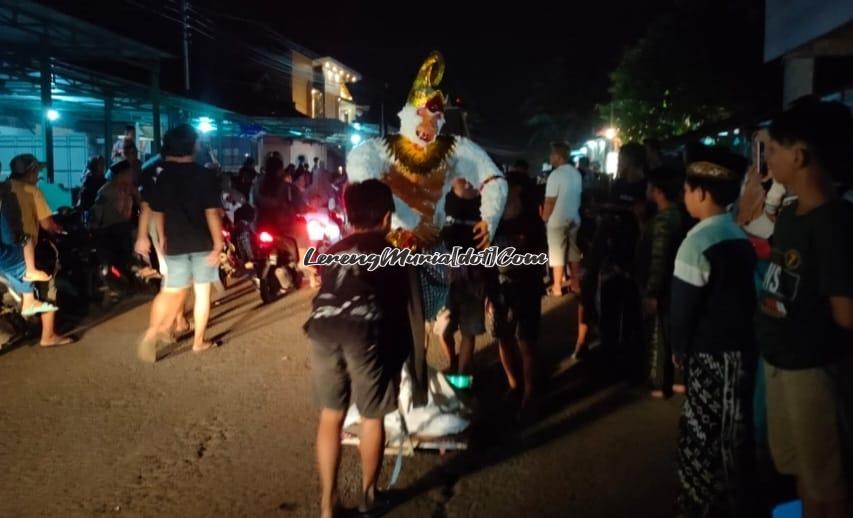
419,166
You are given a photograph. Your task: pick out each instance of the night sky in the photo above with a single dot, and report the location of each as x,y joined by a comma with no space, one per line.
494,57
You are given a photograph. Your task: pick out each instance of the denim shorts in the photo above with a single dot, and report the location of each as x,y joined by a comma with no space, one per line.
188,269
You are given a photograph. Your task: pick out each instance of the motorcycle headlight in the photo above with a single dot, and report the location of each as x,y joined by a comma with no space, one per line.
316,231
333,231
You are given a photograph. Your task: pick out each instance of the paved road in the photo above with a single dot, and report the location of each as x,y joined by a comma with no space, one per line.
88,431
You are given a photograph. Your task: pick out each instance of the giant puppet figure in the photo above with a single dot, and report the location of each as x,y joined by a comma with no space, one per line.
419,165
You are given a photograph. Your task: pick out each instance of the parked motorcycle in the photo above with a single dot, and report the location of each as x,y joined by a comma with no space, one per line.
86,274
324,230
276,264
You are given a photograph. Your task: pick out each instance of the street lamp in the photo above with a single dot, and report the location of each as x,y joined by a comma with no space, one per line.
205,125
610,133
52,115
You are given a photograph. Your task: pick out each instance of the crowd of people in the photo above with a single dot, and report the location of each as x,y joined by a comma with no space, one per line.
754,329
736,276
131,208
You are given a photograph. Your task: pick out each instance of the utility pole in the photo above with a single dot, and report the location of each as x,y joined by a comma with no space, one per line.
185,18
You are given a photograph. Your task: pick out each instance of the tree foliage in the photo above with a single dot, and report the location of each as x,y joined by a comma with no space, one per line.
693,66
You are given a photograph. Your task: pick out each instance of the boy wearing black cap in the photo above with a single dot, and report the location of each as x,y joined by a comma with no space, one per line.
713,299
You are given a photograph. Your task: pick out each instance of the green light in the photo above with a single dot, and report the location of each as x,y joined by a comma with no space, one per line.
460,381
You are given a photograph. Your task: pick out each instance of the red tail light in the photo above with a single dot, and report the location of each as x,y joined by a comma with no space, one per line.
115,272
265,237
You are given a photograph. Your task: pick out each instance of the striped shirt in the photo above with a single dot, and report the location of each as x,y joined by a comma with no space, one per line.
713,294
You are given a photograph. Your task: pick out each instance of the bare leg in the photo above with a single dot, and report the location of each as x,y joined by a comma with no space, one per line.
32,272
201,314
329,458
448,345
528,368
49,338
575,281
466,354
371,445
507,351
180,317
558,273
583,330
28,300
163,310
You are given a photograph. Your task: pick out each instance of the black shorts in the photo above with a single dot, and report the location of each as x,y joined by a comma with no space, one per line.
467,306
516,298
356,370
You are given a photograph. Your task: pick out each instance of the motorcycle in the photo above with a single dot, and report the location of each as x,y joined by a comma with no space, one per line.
275,264
324,230
86,275
13,326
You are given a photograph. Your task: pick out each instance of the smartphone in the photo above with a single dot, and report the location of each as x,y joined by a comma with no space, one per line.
759,158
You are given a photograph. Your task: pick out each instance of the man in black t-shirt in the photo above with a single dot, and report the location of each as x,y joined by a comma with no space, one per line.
186,205
804,324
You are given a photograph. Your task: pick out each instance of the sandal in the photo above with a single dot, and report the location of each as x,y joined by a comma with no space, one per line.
39,307
36,276
180,333
63,340
147,350
206,346
148,273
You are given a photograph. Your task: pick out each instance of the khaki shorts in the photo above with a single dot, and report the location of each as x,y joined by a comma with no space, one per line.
804,432
562,243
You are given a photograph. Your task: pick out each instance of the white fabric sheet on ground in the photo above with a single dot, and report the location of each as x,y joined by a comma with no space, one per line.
441,417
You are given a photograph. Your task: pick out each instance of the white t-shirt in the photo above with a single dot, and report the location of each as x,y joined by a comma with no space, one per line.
565,184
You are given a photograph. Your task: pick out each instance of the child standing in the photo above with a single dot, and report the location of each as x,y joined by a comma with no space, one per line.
713,299
359,330
467,296
516,293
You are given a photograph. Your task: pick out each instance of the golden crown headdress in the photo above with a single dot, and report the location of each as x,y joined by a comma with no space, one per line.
425,88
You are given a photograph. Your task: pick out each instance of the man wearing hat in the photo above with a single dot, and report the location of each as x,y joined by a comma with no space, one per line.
17,262
712,304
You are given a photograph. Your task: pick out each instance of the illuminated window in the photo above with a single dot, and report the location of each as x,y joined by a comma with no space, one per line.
317,109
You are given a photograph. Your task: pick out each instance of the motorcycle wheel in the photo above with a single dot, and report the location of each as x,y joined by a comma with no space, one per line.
269,287
223,278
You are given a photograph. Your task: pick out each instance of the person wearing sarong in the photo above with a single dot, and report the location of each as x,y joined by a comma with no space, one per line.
713,300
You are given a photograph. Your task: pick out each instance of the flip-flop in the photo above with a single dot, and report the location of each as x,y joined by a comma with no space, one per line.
41,307
148,274
187,331
65,340
208,346
147,350
27,278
